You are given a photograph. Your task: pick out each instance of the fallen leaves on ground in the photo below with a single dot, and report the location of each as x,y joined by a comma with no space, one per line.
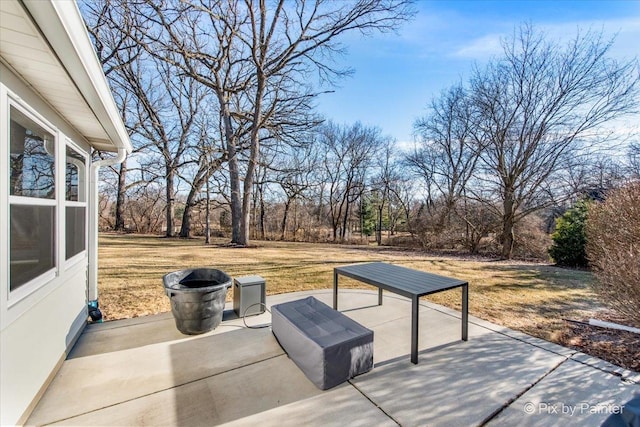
619,347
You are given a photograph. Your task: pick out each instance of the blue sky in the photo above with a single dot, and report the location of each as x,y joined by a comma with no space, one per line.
397,75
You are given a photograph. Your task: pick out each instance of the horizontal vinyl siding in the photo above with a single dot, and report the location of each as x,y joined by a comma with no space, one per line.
37,331
33,344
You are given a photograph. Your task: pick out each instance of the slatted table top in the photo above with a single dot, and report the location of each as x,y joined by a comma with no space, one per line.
401,280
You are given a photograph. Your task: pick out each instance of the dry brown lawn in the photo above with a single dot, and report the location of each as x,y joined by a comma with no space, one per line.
533,298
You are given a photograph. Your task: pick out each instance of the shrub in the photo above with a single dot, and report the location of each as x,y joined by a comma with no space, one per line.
613,249
532,240
569,240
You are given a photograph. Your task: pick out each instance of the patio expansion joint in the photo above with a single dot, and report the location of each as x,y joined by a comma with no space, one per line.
508,403
374,403
395,319
164,389
626,376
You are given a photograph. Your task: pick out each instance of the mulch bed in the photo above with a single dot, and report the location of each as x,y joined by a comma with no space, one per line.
621,348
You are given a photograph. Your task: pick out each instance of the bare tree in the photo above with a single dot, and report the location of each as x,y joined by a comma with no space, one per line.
258,61
537,106
162,108
260,183
169,105
402,195
110,26
210,157
349,154
146,208
384,185
634,160
294,176
447,153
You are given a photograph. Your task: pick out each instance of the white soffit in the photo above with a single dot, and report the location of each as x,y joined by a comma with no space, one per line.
46,44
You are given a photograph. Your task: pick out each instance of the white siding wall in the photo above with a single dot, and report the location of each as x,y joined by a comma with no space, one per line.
32,346
38,330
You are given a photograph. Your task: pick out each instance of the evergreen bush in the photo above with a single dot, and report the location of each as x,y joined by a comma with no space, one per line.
569,241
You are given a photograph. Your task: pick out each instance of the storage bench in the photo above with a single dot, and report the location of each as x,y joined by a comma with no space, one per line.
326,345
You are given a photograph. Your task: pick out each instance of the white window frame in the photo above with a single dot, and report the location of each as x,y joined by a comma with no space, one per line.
84,187
28,288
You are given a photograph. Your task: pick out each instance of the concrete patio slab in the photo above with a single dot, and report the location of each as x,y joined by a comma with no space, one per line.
114,336
462,383
574,394
212,400
90,383
142,372
341,406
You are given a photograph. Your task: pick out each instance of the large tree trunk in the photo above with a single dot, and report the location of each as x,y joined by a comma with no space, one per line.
284,219
119,224
170,203
253,161
207,221
345,222
234,172
185,227
263,213
320,216
236,202
259,211
295,219
508,222
202,176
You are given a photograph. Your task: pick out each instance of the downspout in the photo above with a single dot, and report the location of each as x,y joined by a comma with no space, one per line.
92,292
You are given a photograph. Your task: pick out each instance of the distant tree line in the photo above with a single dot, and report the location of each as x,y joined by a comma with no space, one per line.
218,97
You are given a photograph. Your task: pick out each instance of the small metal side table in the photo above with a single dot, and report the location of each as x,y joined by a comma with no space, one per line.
249,295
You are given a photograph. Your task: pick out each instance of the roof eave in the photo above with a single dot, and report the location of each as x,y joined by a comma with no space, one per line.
63,26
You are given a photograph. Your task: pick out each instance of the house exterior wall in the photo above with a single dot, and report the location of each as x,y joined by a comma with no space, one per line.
38,328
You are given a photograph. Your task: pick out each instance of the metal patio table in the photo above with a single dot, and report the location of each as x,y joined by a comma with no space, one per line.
406,282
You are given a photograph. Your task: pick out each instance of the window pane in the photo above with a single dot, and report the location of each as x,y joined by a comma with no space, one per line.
32,243
75,176
31,158
75,230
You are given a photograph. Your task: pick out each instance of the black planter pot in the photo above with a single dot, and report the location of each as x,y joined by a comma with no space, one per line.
197,298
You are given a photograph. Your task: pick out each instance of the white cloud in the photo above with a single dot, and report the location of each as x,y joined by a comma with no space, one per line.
626,32
405,145
481,48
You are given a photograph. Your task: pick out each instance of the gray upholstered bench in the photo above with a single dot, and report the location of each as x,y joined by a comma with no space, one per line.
326,345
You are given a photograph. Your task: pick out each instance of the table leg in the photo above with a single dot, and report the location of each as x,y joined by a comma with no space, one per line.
414,329
379,296
335,289
465,312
